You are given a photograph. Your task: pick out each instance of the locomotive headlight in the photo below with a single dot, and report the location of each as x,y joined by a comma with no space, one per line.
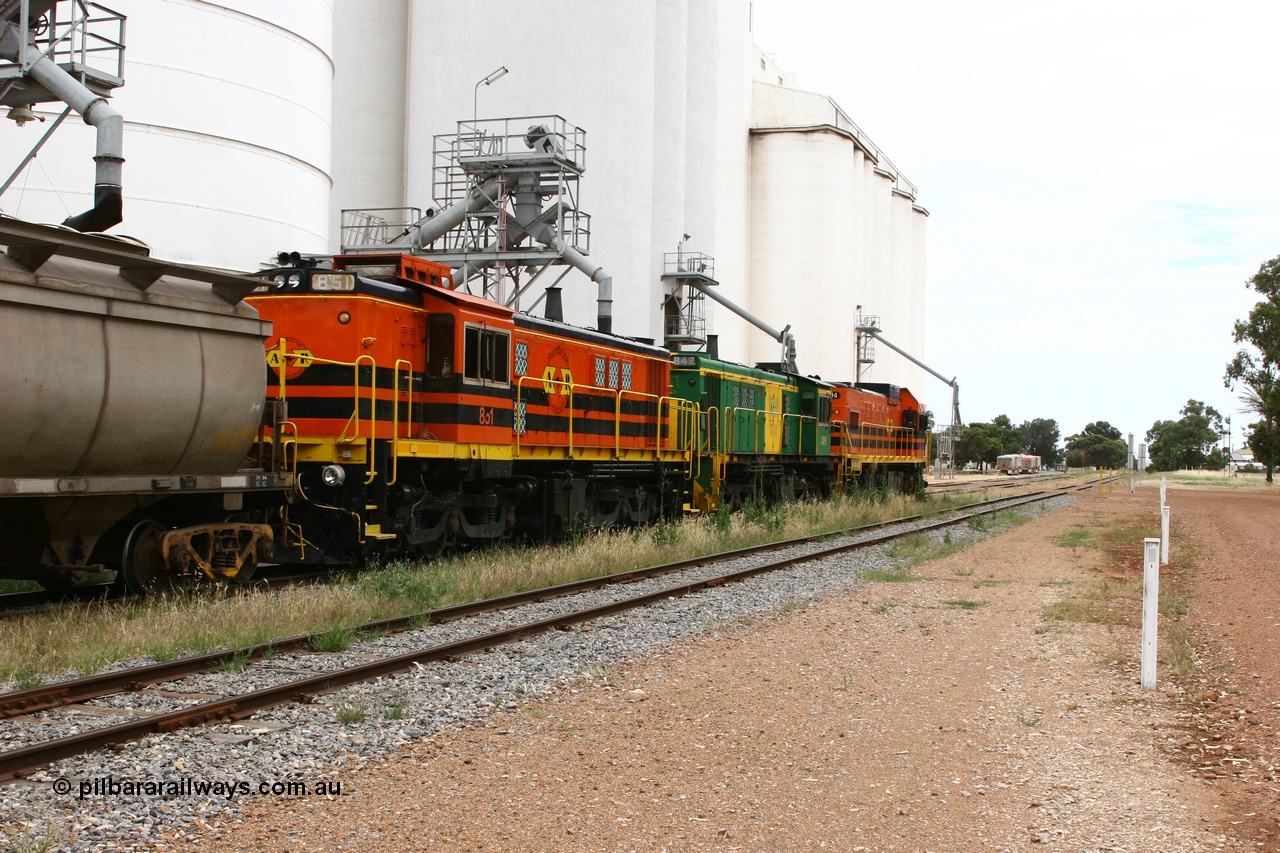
333,475
295,281
344,317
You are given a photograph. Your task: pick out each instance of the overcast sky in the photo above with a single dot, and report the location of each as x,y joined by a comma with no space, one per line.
1101,179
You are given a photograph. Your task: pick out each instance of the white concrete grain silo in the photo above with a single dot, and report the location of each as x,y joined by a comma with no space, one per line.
833,226
639,77
226,133
250,124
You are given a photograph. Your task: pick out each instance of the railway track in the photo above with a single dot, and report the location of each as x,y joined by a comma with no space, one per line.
954,486
701,573
27,603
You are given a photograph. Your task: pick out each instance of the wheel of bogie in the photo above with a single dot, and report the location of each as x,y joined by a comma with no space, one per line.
142,565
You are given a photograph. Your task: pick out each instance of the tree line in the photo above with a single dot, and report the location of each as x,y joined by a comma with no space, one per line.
1253,370
1099,444
1191,441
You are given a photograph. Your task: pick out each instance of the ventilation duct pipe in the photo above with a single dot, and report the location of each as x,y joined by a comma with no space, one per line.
434,226
604,281
529,215
783,337
108,197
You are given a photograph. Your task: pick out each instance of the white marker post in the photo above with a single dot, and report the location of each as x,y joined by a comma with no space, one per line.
1150,609
1164,535
1163,483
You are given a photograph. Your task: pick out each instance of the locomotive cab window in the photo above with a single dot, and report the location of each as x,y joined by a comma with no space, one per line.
486,355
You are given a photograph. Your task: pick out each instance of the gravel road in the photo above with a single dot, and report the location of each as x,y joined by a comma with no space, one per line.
940,714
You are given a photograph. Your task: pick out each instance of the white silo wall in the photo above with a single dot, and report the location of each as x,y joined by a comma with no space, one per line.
930,389
853,235
244,137
802,213
604,67
902,317
670,144
860,238
369,91
733,181
876,291
227,133
701,107
919,219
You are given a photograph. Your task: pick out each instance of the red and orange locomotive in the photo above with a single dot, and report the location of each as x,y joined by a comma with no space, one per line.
418,417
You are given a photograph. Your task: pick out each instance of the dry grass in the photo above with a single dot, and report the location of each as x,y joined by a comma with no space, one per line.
1103,601
1213,479
1112,602
87,637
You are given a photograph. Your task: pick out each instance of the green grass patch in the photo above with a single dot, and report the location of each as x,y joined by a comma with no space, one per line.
919,548
337,639
350,711
1177,654
27,840
1103,602
898,575
965,604
1080,537
236,663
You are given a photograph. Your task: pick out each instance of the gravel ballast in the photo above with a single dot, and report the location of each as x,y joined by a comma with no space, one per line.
345,737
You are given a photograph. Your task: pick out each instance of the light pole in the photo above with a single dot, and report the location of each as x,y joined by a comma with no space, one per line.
488,81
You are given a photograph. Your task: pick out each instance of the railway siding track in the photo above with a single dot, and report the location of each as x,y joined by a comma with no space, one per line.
213,698
25,603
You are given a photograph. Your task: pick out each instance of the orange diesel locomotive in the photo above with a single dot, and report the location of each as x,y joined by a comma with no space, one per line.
418,417
879,432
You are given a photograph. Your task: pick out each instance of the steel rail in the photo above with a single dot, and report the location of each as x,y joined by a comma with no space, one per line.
17,604
16,761
24,603
44,697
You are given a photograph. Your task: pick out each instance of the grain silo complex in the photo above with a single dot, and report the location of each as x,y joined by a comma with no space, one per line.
250,125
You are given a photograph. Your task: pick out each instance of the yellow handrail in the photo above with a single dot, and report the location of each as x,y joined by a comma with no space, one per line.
570,388
395,415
